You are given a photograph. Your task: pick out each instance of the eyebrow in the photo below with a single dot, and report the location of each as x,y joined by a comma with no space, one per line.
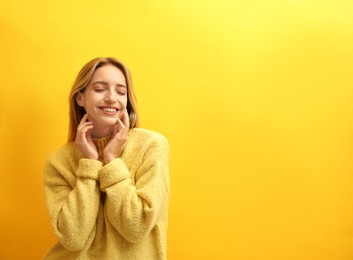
106,83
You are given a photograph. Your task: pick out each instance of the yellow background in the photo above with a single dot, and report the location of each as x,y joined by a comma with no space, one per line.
255,98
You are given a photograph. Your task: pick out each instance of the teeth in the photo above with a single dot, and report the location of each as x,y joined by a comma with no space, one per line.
109,109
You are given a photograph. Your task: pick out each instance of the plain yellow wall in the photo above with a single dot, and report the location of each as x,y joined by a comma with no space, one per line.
255,98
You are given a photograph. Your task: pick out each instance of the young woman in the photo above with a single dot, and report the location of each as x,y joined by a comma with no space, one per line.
107,189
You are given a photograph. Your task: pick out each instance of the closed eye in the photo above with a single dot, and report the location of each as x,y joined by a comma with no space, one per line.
121,90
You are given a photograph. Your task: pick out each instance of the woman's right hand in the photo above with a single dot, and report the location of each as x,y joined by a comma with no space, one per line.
84,141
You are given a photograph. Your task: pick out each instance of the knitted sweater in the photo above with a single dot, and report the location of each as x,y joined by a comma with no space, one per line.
113,211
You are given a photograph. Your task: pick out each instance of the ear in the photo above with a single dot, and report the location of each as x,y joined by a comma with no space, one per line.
80,99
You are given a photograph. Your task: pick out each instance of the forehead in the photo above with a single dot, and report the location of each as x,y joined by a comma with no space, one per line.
110,74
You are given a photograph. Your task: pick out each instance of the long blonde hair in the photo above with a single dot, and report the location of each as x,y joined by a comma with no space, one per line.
76,112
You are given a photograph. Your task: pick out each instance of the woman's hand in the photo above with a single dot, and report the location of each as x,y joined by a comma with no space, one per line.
118,138
84,141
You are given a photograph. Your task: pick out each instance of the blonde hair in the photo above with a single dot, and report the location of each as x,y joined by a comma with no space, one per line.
76,112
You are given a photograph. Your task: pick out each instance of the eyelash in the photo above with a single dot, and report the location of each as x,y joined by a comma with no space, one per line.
119,92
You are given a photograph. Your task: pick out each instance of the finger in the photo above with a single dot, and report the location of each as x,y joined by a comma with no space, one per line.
86,128
125,118
116,127
84,118
83,125
88,136
119,130
82,134
120,124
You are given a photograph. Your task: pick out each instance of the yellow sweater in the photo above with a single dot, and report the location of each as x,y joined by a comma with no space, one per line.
113,211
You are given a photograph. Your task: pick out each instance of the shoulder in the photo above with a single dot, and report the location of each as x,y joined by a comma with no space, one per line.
141,140
146,136
61,165
67,153
67,149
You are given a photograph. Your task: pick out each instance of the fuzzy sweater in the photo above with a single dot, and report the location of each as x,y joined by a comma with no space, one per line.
113,211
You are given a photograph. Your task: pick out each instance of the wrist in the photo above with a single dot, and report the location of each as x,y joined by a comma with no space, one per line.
108,157
91,156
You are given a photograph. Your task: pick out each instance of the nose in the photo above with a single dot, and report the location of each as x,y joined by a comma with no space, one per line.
111,97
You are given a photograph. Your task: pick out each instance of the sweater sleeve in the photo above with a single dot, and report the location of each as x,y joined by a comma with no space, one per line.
134,209
73,210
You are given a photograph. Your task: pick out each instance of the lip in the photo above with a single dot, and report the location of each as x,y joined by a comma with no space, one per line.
109,110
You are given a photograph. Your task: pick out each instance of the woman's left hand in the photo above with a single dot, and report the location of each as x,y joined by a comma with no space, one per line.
118,138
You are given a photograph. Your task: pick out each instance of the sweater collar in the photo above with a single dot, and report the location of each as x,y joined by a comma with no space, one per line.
101,143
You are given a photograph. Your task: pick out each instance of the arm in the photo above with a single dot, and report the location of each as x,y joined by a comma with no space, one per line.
134,210
73,211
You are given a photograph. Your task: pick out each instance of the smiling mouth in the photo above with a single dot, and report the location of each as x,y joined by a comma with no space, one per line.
110,110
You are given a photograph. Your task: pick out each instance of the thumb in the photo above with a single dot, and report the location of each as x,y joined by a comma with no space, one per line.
116,127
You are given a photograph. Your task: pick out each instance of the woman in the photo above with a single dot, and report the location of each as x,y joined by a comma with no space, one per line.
107,189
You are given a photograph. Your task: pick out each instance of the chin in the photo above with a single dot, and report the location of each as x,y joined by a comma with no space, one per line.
110,122
107,121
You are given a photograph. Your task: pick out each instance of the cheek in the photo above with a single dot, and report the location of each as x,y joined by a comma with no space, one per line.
91,101
89,105
123,102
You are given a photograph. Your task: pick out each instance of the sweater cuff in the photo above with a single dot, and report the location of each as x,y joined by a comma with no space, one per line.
112,173
88,168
